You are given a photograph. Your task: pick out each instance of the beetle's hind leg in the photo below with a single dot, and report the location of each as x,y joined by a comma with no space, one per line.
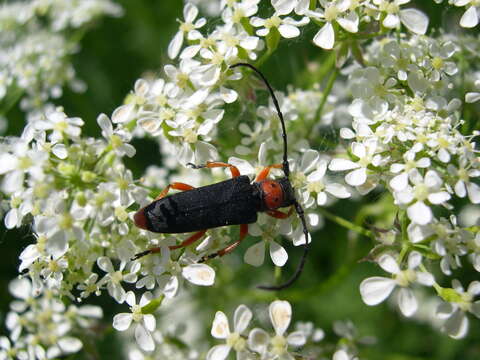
188,241
213,164
229,248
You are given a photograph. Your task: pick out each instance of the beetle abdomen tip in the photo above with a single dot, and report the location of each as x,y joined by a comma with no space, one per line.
140,219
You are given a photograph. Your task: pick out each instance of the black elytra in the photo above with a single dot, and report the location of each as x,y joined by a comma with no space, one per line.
231,202
235,201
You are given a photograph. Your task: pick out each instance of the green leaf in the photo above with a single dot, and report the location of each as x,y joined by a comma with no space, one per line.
152,305
450,295
247,26
273,38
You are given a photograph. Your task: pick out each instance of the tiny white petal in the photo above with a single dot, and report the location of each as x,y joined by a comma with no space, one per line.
469,18
338,190
69,344
144,338
342,164
376,289
123,114
218,352
278,254
149,322
175,45
457,325
288,31
296,339
199,274
241,318
356,177
105,264
399,182
414,20
255,254
280,315
220,328
258,340
60,151
325,37
388,263
407,302
121,322
420,213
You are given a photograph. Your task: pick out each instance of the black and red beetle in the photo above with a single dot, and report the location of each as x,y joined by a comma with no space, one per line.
231,202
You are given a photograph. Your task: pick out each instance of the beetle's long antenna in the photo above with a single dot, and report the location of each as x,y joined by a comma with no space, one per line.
286,170
300,266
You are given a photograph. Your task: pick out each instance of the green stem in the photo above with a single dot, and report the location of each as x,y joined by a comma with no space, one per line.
345,223
328,89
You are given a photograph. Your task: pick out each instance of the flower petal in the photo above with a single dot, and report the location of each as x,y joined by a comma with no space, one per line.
325,37
241,318
376,289
255,254
199,274
278,254
414,20
280,315
144,338
220,328
407,302
122,321
218,352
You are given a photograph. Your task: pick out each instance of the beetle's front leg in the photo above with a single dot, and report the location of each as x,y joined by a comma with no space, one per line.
279,214
229,248
262,175
213,164
176,186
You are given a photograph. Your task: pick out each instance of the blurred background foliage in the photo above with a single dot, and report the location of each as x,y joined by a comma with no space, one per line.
117,51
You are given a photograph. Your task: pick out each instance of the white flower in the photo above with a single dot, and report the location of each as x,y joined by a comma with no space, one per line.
287,27
318,184
188,27
277,346
118,139
18,162
456,325
255,254
234,340
413,19
366,154
400,182
169,273
61,126
376,289
424,188
334,11
145,322
114,277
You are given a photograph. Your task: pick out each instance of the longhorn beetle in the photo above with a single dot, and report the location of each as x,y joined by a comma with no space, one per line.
231,202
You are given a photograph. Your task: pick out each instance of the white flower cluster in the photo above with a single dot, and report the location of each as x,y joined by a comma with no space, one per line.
39,324
78,192
405,137
259,344
186,105
35,52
